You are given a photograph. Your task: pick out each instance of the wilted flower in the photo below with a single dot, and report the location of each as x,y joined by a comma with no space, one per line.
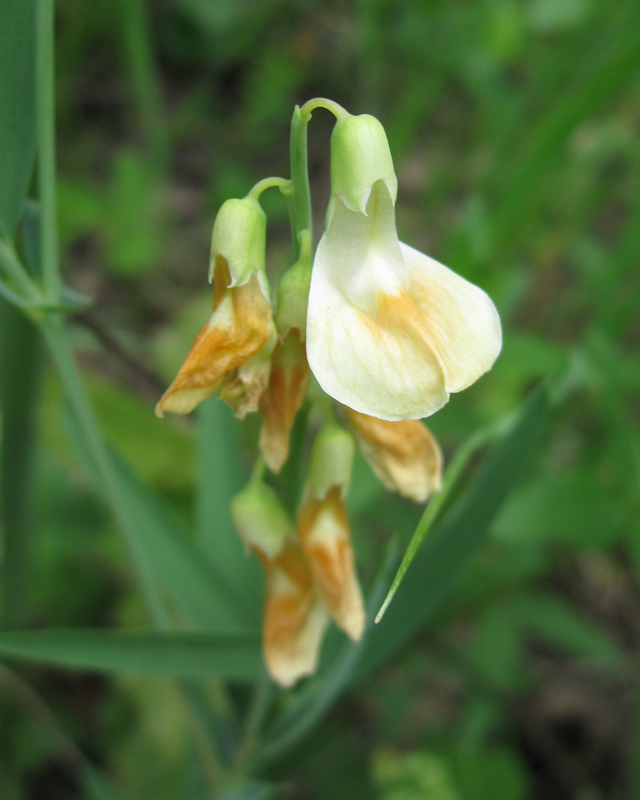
404,455
390,331
232,352
294,616
323,527
290,375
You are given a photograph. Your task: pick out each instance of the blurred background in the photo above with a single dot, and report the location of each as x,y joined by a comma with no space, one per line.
514,128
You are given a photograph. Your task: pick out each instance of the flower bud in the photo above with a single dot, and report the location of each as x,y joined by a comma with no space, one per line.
263,524
404,455
331,461
360,156
293,293
239,237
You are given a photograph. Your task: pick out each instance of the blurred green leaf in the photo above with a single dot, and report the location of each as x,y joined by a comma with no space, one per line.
17,108
220,478
236,656
554,621
165,548
573,507
491,774
19,370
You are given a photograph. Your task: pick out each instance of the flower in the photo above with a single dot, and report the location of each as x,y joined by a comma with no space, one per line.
390,332
232,352
323,528
290,375
295,617
404,455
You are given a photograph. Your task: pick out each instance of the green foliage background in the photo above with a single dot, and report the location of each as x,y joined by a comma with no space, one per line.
507,667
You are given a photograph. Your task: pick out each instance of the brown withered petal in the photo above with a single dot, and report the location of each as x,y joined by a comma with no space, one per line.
404,455
238,329
323,528
294,617
283,398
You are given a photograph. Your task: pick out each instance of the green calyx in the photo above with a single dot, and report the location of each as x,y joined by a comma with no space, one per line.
331,460
360,156
240,237
293,292
260,519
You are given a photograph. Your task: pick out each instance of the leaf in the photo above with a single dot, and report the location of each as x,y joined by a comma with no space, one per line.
17,109
226,655
572,508
160,545
220,478
553,620
439,564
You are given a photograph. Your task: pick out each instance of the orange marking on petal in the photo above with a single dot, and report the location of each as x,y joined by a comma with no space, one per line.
238,329
283,398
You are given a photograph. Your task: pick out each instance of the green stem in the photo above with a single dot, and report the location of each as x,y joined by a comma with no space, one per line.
19,369
17,274
144,74
45,103
299,193
55,336
269,183
255,717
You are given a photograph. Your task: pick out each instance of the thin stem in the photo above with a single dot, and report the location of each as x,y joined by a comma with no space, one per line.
322,102
15,271
259,468
300,193
54,332
269,183
144,74
45,103
255,717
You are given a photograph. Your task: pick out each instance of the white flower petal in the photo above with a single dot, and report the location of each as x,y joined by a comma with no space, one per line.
383,365
462,323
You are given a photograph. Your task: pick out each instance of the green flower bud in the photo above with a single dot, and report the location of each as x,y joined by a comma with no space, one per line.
293,292
360,156
331,460
240,237
261,521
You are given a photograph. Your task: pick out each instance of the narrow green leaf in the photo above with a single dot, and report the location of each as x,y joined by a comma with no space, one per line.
226,655
17,108
220,478
440,563
19,369
165,548
194,582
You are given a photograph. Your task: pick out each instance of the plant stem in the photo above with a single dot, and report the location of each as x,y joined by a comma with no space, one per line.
17,274
144,75
54,332
45,103
255,716
19,368
269,183
299,193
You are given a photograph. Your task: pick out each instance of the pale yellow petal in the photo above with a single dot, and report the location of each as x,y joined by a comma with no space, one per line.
383,365
461,322
404,455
